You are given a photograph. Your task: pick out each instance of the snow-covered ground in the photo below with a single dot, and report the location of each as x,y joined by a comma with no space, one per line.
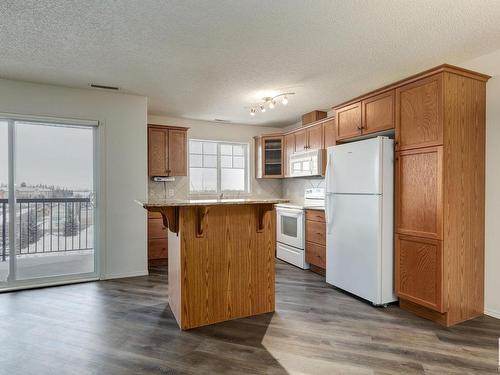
55,263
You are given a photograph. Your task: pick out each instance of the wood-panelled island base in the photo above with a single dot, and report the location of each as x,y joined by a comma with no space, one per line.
220,258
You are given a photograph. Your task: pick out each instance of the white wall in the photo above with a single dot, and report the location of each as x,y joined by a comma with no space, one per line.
217,132
490,64
124,172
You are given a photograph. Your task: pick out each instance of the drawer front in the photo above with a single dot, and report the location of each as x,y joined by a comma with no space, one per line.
156,229
158,249
316,254
315,215
316,232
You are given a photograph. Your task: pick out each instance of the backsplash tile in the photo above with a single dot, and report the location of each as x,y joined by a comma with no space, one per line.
260,188
289,188
293,188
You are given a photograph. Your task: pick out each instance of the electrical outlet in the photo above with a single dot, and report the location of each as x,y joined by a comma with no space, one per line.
171,192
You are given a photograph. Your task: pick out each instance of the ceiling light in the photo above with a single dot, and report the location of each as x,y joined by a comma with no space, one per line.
269,102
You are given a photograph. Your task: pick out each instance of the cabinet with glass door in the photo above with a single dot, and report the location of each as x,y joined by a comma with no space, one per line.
269,156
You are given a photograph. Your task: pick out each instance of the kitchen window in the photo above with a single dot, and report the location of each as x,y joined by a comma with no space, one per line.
218,167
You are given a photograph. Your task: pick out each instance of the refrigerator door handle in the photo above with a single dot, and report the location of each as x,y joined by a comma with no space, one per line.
328,209
329,188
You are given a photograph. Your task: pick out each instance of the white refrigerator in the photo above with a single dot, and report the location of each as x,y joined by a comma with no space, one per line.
359,219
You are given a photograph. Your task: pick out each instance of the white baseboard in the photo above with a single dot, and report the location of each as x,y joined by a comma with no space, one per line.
492,313
125,274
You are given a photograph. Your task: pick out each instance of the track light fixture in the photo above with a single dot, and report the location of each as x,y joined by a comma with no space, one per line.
270,102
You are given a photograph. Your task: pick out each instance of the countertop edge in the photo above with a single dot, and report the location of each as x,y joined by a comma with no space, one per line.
188,203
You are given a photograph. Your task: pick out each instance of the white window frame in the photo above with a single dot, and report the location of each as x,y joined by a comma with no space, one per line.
246,155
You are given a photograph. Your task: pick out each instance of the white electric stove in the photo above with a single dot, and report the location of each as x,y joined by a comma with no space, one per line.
290,227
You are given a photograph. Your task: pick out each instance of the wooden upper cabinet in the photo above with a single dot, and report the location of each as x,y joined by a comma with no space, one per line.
329,133
289,149
315,137
300,140
177,153
419,114
167,151
419,192
348,121
269,155
419,271
378,112
157,150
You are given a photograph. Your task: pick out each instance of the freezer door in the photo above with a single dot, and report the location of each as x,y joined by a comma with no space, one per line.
329,171
353,259
355,167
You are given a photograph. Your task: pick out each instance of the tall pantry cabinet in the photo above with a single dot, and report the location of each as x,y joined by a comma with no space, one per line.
440,194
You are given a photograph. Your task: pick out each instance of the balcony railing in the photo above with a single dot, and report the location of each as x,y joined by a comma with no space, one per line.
48,225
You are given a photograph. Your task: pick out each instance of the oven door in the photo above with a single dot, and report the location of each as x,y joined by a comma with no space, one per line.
290,226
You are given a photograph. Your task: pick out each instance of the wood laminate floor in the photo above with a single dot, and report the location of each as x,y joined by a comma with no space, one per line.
126,327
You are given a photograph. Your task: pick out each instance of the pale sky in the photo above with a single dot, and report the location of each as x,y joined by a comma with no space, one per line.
52,155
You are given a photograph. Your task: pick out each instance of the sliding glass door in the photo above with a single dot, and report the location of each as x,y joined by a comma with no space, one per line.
4,202
51,212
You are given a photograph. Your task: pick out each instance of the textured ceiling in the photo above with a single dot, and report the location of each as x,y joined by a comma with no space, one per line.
207,59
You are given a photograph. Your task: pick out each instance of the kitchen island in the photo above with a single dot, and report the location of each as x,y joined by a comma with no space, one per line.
220,258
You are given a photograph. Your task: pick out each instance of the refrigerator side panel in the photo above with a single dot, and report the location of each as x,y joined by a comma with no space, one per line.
387,212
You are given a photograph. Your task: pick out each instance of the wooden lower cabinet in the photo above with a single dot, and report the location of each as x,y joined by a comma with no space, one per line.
157,240
316,254
419,266
316,240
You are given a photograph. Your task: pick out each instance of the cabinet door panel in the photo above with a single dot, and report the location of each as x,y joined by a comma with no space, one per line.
157,152
419,192
348,121
300,140
378,113
177,153
329,133
315,137
273,152
419,113
419,271
289,141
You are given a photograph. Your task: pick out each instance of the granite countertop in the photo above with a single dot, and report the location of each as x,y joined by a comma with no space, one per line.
208,202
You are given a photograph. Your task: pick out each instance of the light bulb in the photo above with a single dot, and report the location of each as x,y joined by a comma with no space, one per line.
271,104
262,108
285,100
252,112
